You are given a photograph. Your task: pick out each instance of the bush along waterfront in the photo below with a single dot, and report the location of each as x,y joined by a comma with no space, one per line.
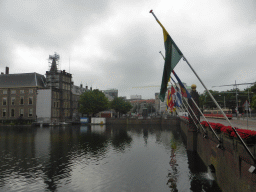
249,136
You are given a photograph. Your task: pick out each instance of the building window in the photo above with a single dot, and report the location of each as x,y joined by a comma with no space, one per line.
4,101
21,91
30,112
30,91
12,112
13,101
21,100
21,112
57,104
13,91
4,92
30,100
4,112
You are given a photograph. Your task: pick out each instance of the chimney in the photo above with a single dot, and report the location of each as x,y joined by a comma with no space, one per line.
91,88
86,87
81,85
7,70
2,73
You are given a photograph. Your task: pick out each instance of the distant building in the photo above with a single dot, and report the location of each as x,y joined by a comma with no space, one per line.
18,95
76,92
157,102
60,83
138,105
34,97
111,93
124,97
135,97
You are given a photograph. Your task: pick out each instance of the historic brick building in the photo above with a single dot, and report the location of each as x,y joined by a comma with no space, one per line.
18,93
46,99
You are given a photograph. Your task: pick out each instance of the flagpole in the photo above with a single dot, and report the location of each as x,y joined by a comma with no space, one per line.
192,116
198,109
206,120
151,11
204,117
162,54
243,143
245,146
192,112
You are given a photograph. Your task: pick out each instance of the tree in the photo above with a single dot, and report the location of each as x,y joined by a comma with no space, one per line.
253,88
92,102
253,104
120,105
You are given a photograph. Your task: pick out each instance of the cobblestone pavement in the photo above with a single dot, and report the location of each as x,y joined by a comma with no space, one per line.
239,123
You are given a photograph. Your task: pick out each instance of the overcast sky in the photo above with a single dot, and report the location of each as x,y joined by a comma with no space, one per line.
115,43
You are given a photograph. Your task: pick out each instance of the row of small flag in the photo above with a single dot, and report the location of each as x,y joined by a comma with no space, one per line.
174,95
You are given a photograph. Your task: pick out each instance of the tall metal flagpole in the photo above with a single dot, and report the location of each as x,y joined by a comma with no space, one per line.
236,102
243,143
199,111
245,146
190,114
192,110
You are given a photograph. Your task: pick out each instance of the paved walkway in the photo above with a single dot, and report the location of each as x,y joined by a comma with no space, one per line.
239,123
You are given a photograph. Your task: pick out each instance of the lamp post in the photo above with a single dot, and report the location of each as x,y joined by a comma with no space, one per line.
249,103
204,99
236,102
224,102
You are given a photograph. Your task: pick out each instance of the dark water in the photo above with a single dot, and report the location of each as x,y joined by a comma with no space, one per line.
99,158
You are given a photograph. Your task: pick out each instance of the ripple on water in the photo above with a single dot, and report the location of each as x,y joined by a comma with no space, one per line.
110,160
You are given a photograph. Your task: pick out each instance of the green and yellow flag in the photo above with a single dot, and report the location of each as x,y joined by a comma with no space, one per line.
172,57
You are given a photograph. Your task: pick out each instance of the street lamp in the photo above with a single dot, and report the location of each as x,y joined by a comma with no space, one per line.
224,102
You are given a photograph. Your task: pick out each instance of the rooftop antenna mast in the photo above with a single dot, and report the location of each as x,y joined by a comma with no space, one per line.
54,61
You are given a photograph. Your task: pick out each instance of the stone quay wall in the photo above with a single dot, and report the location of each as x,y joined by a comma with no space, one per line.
230,164
134,121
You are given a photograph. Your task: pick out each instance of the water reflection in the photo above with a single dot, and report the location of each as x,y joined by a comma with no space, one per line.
120,139
99,158
172,176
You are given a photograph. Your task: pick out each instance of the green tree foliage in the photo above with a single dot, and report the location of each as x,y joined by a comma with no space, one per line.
253,103
253,88
226,98
120,105
92,102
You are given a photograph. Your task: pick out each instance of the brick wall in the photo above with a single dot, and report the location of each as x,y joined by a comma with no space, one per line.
231,163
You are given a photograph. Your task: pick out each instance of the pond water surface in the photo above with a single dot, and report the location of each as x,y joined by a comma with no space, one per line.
99,158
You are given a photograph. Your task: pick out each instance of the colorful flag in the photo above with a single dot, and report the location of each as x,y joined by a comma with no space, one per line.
178,101
168,98
172,57
184,91
172,99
